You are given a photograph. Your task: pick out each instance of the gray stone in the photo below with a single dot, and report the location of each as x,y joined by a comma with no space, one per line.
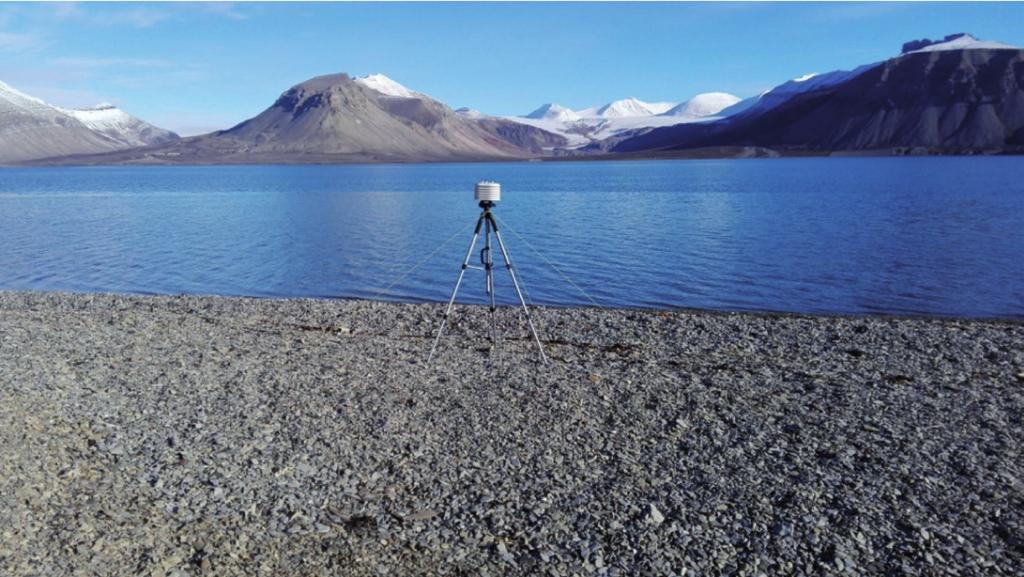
654,516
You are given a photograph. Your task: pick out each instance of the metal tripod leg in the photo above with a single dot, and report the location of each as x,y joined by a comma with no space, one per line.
488,262
515,283
455,291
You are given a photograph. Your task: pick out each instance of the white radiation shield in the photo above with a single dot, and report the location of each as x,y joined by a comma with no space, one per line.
487,191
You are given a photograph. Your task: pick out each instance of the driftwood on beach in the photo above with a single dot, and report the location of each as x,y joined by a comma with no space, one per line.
220,436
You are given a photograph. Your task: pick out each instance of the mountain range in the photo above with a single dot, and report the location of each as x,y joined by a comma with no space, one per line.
31,129
335,118
593,125
957,94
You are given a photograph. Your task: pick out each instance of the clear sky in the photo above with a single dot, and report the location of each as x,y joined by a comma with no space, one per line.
198,67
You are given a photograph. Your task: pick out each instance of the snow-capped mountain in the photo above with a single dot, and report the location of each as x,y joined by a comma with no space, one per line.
30,129
626,108
597,123
120,126
387,86
552,111
702,105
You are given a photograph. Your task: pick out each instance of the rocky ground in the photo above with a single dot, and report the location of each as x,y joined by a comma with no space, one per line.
215,436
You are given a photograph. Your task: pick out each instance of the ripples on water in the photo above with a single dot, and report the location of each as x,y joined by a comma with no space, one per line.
878,235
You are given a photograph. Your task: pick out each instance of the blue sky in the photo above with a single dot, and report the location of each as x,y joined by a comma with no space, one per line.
198,67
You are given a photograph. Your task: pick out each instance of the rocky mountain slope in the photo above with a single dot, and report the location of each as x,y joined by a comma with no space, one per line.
959,95
31,129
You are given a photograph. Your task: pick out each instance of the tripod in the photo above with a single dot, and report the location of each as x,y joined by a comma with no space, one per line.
487,221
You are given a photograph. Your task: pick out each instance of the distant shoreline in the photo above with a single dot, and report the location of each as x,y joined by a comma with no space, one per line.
712,153
758,313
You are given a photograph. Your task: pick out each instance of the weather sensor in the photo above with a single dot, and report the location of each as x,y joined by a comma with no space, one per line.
487,193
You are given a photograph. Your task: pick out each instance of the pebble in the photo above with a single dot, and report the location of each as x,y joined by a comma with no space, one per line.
654,516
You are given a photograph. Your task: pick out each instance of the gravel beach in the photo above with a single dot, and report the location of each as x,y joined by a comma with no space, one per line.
174,436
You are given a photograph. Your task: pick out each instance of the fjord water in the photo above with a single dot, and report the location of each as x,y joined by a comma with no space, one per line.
933,236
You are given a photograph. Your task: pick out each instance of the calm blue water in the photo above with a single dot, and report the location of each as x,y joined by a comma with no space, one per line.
941,236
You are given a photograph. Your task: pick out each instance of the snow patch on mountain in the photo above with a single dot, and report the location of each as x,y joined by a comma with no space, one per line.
573,132
703,105
18,98
661,107
584,131
118,125
626,108
552,111
467,112
387,86
961,41
101,117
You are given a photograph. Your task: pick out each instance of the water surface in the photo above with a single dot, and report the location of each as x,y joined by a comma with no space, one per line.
936,236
